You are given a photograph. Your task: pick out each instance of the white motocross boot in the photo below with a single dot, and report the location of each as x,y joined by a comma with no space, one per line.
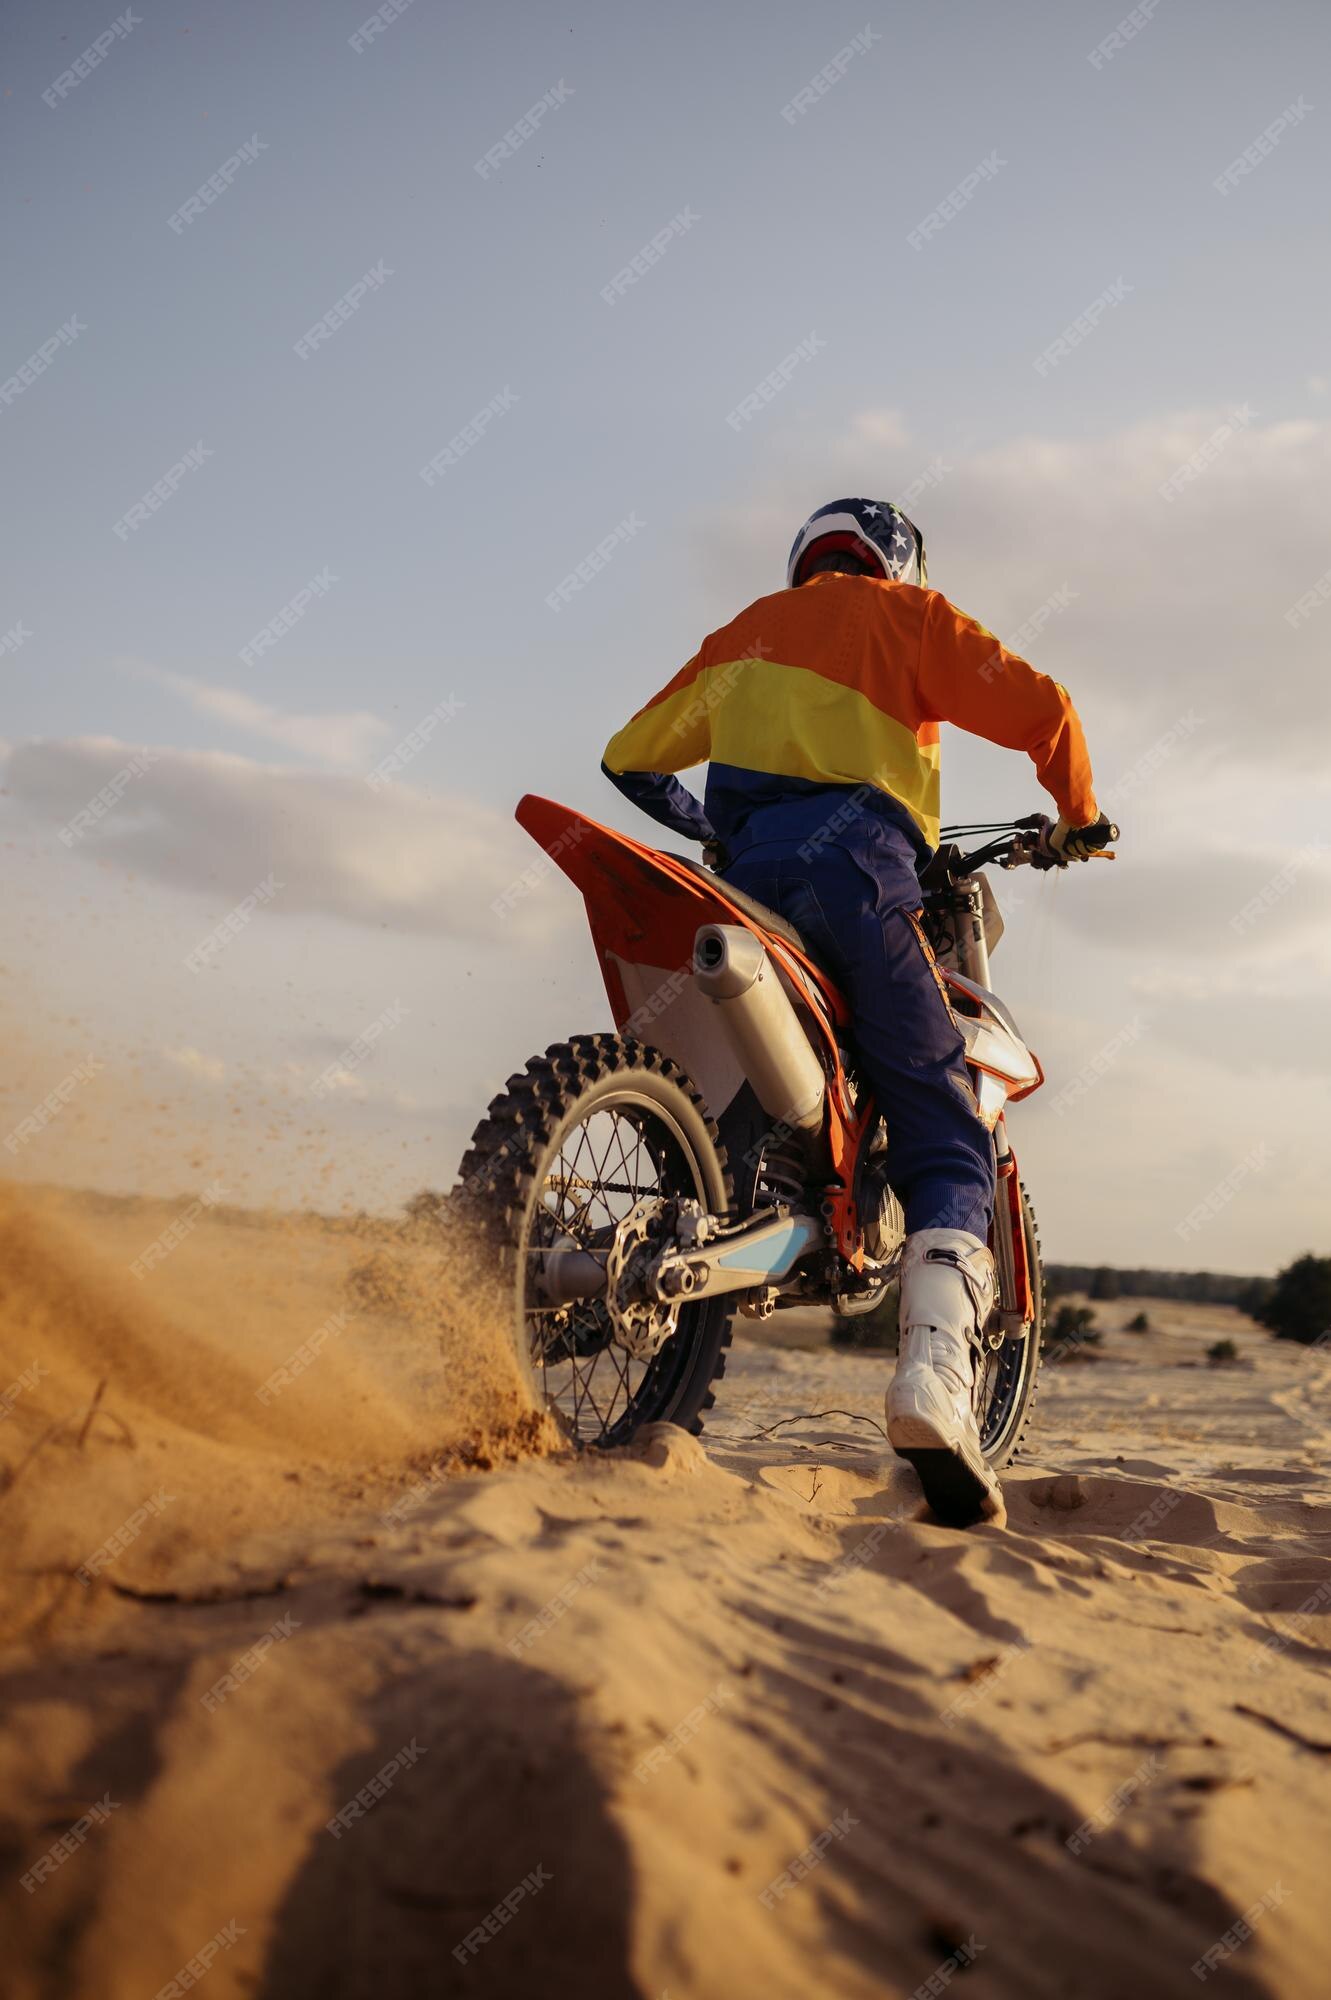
947,1292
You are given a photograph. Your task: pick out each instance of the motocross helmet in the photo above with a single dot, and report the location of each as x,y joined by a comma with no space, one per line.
874,530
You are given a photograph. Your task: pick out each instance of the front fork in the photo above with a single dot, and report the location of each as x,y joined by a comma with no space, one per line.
1012,1264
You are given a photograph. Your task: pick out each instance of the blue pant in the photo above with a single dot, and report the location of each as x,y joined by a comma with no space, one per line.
851,896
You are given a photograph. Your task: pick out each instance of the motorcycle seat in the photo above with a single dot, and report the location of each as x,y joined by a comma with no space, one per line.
770,919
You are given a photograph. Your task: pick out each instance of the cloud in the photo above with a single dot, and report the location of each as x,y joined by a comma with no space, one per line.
1174,603
342,739
194,1062
217,824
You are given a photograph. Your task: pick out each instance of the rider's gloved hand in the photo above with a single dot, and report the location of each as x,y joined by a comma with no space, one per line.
1079,843
714,856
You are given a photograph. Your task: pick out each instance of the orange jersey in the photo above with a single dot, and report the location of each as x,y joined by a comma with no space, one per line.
844,681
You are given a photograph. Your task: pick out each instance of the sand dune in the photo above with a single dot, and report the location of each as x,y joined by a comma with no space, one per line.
719,1719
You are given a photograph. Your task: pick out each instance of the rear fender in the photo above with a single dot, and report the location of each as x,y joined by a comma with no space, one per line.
644,909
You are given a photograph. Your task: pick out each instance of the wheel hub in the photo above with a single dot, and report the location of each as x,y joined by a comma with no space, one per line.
642,1323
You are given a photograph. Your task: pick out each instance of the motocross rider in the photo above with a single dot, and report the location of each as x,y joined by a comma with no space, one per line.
817,711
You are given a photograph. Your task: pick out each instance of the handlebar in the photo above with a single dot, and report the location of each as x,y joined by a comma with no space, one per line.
1019,843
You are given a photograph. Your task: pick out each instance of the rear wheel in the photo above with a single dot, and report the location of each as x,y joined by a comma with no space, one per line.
1005,1379
594,1129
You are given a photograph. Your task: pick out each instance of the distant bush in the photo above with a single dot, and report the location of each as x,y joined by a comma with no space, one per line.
1211,1288
1138,1324
1222,1350
1074,1327
1299,1304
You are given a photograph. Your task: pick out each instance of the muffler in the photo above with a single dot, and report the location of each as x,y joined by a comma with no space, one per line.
732,969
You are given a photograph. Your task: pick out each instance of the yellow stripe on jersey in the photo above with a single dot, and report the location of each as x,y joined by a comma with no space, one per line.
791,721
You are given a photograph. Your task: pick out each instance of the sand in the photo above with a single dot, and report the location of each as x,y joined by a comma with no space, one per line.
388,1697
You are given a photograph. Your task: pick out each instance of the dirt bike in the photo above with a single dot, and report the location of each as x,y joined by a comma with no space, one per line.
719,1153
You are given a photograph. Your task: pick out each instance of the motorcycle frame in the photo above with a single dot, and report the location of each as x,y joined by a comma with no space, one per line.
621,878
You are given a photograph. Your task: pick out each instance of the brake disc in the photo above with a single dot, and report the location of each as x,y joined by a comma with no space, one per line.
642,1324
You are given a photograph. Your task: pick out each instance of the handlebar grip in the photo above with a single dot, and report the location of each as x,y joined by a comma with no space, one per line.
1099,836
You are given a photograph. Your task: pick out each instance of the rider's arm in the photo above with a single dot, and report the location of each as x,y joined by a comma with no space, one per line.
670,734
967,677
663,799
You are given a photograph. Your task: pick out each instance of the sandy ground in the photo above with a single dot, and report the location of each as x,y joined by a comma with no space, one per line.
300,1688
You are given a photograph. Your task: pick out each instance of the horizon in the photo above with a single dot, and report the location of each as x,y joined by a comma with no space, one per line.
335,354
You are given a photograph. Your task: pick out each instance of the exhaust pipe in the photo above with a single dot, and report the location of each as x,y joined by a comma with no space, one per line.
732,969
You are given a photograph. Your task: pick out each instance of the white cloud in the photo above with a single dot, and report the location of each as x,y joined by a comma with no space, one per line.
344,739
217,824
210,1069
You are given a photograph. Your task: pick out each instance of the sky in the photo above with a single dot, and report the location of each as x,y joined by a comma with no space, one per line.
313,308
